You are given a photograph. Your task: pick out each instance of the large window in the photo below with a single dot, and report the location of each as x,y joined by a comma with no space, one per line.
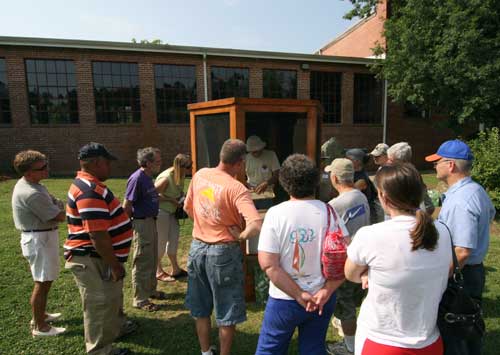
175,88
116,92
229,82
280,84
326,87
52,91
5,117
368,93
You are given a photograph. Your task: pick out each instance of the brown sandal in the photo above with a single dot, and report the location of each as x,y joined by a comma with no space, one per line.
148,306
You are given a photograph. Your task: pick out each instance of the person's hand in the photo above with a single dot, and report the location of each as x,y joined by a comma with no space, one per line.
261,187
364,280
60,205
235,231
320,298
305,299
117,272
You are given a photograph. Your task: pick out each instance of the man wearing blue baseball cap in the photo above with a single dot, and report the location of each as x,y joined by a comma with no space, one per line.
467,211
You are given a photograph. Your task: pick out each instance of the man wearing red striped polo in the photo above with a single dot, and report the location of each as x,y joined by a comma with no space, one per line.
99,237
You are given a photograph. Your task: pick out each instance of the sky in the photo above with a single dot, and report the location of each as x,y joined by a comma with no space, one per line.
273,25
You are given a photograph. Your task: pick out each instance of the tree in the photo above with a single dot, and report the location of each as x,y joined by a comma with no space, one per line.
145,41
361,8
444,55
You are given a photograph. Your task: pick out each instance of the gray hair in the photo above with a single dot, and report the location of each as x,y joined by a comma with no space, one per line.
463,166
400,151
232,151
343,180
145,155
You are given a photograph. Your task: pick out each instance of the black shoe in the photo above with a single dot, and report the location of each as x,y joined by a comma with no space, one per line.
121,352
128,327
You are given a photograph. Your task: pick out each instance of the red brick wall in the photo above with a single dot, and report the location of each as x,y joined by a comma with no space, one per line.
359,41
61,142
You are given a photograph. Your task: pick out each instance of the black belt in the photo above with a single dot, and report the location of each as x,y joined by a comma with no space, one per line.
91,253
473,265
143,217
39,230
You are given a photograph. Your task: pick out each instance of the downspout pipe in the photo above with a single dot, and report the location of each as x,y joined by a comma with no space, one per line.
205,76
384,134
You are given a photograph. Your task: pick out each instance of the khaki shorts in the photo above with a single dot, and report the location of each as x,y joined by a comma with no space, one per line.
41,249
349,296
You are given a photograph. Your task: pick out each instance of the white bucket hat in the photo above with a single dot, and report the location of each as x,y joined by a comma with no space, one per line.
254,144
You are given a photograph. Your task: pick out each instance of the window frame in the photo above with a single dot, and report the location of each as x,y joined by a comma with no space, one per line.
240,91
270,93
333,106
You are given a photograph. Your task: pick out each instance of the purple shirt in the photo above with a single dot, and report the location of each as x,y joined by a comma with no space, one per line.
142,193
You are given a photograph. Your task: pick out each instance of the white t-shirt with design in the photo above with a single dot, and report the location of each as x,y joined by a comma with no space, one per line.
295,230
405,287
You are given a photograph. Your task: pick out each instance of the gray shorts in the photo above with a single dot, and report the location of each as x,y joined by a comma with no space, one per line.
349,297
215,279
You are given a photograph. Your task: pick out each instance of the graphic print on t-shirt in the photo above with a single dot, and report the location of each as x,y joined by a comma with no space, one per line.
298,237
209,195
354,212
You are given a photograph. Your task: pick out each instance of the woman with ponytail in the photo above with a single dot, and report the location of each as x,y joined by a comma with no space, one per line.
170,187
405,263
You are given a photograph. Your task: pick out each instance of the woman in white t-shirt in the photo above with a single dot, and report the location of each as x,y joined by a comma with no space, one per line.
290,245
406,260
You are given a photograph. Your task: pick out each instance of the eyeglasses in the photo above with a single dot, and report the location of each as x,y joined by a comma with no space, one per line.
436,163
42,168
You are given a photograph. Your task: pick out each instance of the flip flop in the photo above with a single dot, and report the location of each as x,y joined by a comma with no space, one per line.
165,278
181,274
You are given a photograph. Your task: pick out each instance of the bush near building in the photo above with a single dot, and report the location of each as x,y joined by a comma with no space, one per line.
486,168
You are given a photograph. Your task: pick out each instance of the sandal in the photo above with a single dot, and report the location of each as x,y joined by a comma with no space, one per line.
159,295
165,277
181,274
147,306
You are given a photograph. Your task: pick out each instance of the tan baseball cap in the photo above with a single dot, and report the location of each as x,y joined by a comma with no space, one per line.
380,149
341,168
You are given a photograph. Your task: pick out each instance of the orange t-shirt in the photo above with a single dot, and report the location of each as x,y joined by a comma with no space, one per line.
217,201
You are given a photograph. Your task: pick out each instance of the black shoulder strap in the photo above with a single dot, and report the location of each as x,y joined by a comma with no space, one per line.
457,274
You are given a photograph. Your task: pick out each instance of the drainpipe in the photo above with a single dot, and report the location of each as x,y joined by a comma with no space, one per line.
384,134
205,79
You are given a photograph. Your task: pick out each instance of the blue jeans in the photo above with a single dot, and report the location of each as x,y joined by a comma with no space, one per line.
281,317
215,279
474,279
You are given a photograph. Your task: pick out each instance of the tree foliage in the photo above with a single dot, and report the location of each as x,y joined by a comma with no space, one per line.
146,41
444,55
486,170
361,8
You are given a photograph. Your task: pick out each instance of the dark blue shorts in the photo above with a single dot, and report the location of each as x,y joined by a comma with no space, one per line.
280,320
215,280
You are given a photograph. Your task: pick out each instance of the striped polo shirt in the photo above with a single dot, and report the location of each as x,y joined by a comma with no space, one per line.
92,207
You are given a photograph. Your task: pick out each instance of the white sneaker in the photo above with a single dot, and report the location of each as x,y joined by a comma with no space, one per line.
51,332
337,348
338,326
49,317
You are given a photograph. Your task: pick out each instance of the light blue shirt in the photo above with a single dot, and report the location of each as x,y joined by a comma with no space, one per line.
467,210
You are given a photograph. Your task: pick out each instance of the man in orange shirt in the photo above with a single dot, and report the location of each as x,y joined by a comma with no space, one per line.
217,201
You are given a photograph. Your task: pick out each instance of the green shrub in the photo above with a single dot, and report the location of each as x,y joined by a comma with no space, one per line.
486,167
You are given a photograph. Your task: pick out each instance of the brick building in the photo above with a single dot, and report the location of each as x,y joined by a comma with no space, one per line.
56,95
362,37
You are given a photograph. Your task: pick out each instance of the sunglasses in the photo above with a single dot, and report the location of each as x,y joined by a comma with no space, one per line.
436,163
42,168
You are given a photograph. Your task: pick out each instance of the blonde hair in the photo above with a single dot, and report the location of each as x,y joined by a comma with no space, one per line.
180,161
24,160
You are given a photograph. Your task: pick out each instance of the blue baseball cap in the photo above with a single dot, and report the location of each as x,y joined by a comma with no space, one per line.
454,149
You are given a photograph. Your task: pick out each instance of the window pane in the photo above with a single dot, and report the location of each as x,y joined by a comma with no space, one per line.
279,83
175,85
326,87
47,91
367,99
5,114
114,92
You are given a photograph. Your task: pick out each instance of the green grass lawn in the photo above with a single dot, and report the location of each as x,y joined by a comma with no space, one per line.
169,331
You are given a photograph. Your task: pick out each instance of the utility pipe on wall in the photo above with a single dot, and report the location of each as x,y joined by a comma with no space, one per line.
205,79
